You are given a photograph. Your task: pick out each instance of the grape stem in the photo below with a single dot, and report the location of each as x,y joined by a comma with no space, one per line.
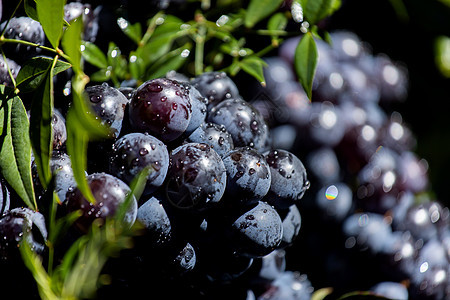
199,44
56,51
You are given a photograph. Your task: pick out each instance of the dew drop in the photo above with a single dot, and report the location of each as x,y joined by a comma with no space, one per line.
143,151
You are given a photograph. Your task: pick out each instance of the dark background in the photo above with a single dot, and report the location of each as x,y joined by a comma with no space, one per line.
411,40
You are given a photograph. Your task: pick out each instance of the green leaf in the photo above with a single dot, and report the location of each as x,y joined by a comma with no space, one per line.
156,47
34,71
254,65
161,40
278,21
260,9
361,295
442,55
170,24
171,61
234,68
305,62
93,55
83,262
15,147
321,293
30,9
71,42
34,263
117,61
101,75
316,10
446,2
76,143
133,31
51,17
82,126
41,131
137,187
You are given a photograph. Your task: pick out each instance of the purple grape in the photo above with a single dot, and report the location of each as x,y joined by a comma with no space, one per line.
156,222
273,264
288,179
161,107
135,151
392,78
425,220
61,167
430,282
359,85
215,86
246,126
174,75
323,165
215,135
89,16
109,192
59,129
346,45
335,201
367,231
283,137
391,290
127,92
25,29
199,108
258,231
292,222
109,105
248,176
277,72
186,259
196,178
399,255
396,134
289,285
325,127
19,223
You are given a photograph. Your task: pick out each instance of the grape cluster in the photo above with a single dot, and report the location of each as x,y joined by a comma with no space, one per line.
219,197
370,211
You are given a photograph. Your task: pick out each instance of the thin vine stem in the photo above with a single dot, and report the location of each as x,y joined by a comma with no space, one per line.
55,51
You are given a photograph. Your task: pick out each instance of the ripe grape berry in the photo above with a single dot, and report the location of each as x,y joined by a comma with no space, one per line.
288,178
196,178
109,105
243,121
158,228
26,29
199,108
135,151
258,231
161,107
215,86
109,193
214,135
19,223
248,176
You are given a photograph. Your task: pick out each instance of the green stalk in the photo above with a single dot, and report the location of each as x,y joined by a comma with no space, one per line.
200,45
55,51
